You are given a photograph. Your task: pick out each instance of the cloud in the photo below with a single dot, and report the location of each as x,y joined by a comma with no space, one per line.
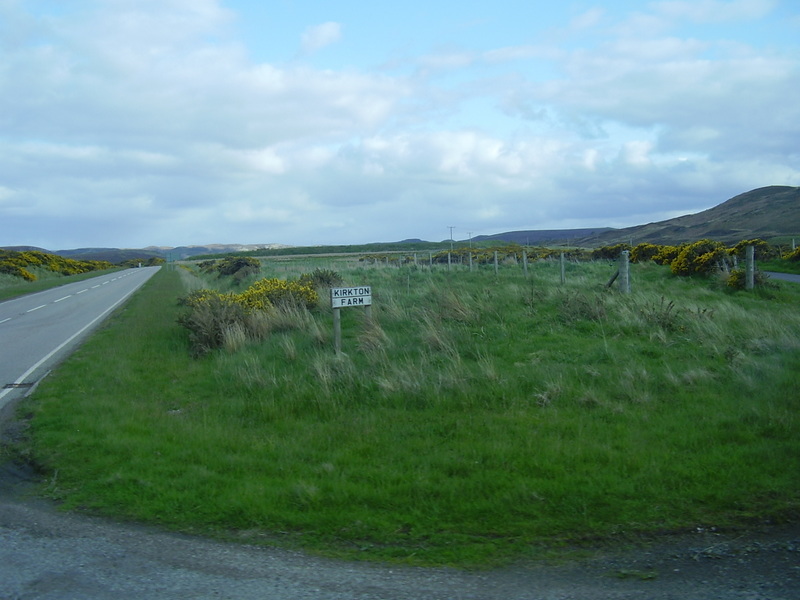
138,122
317,37
714,11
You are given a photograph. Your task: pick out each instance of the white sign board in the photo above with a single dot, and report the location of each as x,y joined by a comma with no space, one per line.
352,296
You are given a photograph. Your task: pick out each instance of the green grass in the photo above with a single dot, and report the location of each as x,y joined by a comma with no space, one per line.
12,286
474,421
780,266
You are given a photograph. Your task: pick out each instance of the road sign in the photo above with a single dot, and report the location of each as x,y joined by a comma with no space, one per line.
352,296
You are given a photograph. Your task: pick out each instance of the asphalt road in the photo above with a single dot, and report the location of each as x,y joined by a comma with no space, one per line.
784,276
39,330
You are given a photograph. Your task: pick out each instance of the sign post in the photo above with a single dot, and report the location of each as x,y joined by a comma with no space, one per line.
346,297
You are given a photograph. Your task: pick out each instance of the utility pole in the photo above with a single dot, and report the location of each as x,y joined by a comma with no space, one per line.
451,227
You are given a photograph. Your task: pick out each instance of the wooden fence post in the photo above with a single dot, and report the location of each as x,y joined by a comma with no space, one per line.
750,269
337,330
625,272
563,269
495,264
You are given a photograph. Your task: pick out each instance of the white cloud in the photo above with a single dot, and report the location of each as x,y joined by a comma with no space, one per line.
317,37
150,121
715,11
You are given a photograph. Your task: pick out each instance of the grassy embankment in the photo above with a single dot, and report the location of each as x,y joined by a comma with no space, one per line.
476,419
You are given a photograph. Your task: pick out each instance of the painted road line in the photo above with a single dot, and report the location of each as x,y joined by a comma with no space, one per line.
46,357
64,298
83,290
4,320
37,308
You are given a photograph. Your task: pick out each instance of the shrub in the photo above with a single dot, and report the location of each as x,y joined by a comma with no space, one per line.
666,254
644,252
212,318
16,263
737,279
321,278
239,267
228,320
610,252
265,293
762,249
703,258
793,256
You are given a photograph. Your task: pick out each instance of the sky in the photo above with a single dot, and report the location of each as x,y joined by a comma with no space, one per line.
134,123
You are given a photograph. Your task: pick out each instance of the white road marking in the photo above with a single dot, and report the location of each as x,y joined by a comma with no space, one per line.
21,378
4,320
64,298
37,308
83,290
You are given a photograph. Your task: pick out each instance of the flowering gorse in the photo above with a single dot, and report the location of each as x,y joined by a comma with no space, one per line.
19,264
216,318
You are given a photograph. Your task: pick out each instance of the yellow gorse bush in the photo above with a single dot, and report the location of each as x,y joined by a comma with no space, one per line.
227,319
262,295
269,292
18,263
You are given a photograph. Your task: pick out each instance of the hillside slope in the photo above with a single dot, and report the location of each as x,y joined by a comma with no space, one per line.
764,213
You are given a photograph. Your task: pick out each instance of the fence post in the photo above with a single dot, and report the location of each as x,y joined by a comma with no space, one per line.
525,262
750,269
563,269
337,330
625,272
495,263
470,261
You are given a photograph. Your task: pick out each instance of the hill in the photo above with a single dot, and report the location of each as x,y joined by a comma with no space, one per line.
765,213
542,236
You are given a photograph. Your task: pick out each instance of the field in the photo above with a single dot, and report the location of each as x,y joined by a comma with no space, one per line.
477,418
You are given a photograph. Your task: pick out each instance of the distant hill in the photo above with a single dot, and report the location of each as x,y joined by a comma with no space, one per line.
25,249
542,236
765,213
116,255
112,255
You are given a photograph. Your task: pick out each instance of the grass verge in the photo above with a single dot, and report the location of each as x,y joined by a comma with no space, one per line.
12,286
475,419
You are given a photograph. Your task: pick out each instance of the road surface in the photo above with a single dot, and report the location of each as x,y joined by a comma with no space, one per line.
39,330
784,276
